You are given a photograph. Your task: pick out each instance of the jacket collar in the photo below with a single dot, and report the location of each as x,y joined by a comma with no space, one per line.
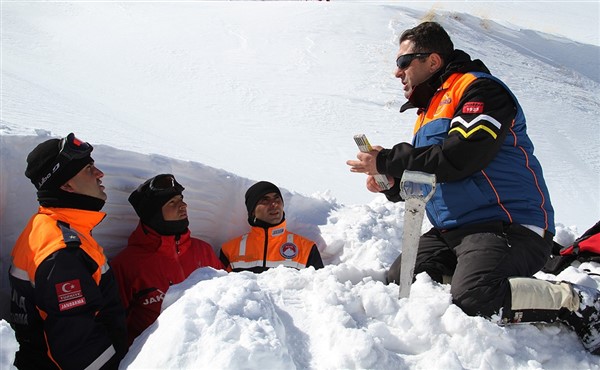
78,219
459,62
147,238
273,230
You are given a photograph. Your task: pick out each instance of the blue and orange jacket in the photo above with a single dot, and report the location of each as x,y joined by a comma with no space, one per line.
65,307
472,134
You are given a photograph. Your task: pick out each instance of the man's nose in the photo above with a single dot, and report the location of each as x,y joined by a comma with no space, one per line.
99,174
399,73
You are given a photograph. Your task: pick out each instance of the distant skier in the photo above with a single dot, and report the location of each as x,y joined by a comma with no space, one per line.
492,216
269,243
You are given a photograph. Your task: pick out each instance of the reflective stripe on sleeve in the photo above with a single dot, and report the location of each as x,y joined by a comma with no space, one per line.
20,274
243,245
102,359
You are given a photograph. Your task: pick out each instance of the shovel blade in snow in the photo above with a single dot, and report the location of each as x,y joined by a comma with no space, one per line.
416,188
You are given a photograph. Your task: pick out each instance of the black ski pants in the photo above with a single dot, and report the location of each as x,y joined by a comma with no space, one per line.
480,259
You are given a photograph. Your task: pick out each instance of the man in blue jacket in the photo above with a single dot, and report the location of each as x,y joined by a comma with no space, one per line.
492,216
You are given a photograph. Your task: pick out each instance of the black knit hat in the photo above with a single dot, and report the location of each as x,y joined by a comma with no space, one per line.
54,162
256,192
148,198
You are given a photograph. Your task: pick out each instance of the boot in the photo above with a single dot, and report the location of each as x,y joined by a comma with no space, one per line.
585,320
578,306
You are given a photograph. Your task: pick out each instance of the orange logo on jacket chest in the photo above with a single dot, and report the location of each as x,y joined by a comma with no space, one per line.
443,105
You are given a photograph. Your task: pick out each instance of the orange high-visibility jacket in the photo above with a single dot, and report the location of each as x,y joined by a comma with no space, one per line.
264,248
65,307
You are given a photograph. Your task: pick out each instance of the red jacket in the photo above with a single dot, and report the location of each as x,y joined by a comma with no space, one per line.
149,265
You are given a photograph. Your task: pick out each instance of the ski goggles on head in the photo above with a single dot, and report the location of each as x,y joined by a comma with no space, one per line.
72,148
73,155
405,60
163,183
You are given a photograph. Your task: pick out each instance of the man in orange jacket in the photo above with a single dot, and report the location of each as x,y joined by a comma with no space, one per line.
65,306
269,243
160,251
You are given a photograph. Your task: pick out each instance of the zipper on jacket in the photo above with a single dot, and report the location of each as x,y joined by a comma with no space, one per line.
266,247
178,252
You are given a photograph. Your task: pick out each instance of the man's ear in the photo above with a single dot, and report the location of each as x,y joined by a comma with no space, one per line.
67,187
435,62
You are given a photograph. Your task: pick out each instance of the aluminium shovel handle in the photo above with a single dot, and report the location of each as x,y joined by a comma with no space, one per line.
416,184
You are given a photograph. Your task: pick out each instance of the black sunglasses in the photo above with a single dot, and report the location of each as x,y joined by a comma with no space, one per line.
404,61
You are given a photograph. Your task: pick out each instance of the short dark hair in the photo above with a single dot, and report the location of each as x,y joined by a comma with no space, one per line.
429,37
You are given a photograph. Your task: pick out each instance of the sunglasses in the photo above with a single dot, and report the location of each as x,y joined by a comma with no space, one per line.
405,60
72,148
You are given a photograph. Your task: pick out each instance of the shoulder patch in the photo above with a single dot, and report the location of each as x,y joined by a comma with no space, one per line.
473,107
288,250
69,295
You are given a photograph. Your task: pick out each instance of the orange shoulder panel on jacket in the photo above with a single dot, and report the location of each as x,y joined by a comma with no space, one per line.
444,102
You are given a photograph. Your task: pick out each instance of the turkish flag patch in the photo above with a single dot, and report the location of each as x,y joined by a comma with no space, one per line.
473,107
69,295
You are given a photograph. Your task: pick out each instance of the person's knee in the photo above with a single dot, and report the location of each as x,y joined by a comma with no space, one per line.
474,306
435,271
480,301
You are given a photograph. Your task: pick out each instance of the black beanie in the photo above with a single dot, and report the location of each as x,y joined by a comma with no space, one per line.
48,169
256,192
148,202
